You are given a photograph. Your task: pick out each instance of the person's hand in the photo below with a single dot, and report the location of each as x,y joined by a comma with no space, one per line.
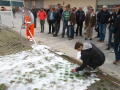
73,70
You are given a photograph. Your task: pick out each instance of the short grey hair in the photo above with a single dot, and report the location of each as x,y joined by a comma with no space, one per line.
105,6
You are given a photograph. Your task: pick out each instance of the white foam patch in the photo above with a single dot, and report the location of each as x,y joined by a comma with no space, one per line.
41,69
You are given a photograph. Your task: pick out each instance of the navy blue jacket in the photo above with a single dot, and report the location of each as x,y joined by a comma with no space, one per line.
103,17
80,17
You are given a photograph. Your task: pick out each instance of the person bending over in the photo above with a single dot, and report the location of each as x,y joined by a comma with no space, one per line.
90,55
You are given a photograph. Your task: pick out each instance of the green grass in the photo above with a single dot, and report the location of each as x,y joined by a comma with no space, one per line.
3,87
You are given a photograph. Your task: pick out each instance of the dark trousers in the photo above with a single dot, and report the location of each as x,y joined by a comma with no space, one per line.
111,29
79,29
34,22
102,29
98,33
117,48
57,26
71,31
51,24
65,25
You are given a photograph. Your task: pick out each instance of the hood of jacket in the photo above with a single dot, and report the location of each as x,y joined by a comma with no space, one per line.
87,45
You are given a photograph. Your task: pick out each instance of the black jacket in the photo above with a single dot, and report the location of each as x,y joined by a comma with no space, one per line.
60,11
113,17
34,11
80,17
118,13
117,28
57,17
92,57
103,17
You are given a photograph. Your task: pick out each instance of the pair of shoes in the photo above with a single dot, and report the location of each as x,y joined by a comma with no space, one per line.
85,38
90,38
100,41
54,35
49,33
107,48
116,62
96,37
93,70
70,38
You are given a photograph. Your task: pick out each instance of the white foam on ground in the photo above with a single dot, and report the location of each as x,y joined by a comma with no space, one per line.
40,69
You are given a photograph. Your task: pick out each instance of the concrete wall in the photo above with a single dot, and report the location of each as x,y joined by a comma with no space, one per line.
39,3
74,3
108,2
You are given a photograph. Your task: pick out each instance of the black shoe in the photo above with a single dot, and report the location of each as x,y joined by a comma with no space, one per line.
49,33
97,37
90,38
85,38
69,38
54,35
107,48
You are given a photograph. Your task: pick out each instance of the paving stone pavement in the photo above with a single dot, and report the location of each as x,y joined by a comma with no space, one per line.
63,44
11,42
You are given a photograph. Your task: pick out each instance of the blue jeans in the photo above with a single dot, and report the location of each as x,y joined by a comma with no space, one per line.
111,29
65,25
71,31
102,28
117,48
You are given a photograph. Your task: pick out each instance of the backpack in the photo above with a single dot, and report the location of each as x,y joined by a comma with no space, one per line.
67,15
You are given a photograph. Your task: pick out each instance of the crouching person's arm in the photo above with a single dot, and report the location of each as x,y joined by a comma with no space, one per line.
85,59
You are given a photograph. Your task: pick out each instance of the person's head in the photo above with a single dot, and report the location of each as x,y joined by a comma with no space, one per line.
113,10
59,5
41,9
72,10
117,7
88,7
80,8
51,9
78,46
33,7
91,10
26,10
104,8
75,8
69,6
66,8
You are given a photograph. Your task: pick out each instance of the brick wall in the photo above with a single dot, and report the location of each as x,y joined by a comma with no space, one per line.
76,3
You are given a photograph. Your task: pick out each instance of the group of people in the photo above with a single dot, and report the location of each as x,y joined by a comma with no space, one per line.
73,16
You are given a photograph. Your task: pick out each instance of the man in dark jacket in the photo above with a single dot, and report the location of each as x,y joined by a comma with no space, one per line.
80,17
112,19
50,19
60,10
90,55
34,11
117,40
103,17
57,22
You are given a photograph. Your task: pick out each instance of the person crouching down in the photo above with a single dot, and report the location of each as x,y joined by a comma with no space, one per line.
90,55
28,20
90,22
